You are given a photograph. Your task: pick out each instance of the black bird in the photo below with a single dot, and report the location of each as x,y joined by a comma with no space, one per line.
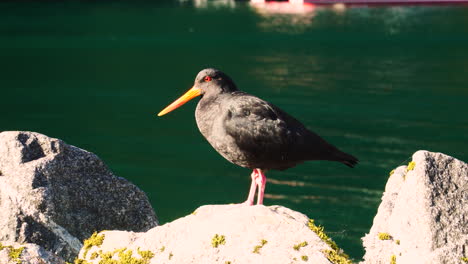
251,132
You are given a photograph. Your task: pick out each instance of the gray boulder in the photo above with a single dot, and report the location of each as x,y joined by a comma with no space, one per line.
423,217
55,195
226,234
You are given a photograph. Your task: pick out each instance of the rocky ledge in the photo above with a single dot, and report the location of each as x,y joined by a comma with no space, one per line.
423,217
54,195
221,234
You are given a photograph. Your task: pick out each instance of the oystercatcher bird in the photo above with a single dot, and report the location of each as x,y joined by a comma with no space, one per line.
251,132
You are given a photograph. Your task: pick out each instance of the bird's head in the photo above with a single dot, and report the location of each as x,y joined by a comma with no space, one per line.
209,82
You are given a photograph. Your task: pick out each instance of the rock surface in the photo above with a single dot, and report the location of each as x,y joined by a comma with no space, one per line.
14,253
221,234
423,217
55,195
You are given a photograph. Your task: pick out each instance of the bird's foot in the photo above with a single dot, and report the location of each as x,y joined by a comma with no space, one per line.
258,180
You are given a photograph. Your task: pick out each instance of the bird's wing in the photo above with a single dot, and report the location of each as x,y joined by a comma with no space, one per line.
264,130
258,126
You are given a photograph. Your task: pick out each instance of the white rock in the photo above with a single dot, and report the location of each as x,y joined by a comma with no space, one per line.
189,239
425,211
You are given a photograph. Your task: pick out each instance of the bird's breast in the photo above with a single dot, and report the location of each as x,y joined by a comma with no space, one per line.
210,117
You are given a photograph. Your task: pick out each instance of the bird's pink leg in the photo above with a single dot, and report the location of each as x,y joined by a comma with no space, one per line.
253,187
261,182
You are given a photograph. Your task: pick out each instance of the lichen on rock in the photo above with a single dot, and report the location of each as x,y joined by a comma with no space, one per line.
300,245
237,234
257,248
14,254
384,236
335,254
424,206
94,240
218,240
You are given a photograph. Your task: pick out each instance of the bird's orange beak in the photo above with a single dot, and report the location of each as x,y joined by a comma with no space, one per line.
190,94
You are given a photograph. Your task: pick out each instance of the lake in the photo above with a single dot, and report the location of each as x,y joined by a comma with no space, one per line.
378,82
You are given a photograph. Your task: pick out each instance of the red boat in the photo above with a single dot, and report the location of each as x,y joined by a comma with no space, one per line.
371,2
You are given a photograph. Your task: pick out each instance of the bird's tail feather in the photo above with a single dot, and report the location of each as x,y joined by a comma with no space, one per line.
346,159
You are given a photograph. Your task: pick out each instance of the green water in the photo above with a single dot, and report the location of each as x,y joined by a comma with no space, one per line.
379,82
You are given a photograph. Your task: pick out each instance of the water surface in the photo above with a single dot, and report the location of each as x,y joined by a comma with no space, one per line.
379,82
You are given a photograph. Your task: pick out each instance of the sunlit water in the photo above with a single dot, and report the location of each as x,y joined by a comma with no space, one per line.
379,82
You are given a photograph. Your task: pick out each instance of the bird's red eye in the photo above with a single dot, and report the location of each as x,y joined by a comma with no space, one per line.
207,79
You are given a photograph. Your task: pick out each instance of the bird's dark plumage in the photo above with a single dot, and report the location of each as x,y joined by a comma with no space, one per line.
251,132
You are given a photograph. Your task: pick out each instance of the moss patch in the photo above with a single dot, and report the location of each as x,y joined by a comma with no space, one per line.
384,236
257,248
94,255
124,256
300,245
145,254
393,259
305,258
218,240
94,240
13,253
411,166
335,255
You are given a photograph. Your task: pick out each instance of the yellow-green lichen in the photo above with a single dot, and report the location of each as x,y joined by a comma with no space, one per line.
218,240
464,259
145,254
94,255
391,173
384,236
305,258
393,259
107,255
397,241
227,262
13,253
170,255
162,248
257,248
337,258
411,166
94,240
298,246
124,256
336,254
